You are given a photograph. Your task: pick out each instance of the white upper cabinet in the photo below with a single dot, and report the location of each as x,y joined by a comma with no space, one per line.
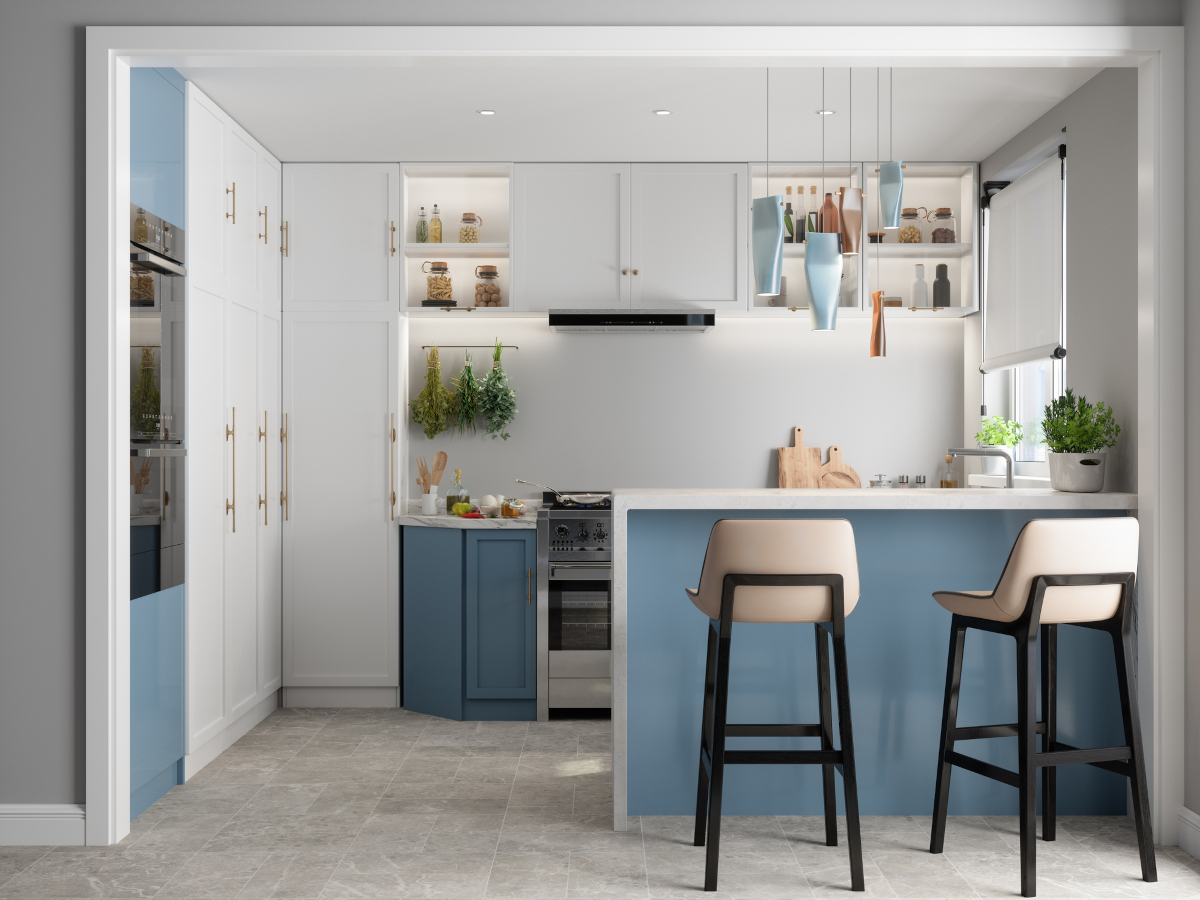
571,236
241,203
267,234
688,235
340,236
205,250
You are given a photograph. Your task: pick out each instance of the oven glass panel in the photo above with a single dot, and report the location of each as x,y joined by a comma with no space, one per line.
580,615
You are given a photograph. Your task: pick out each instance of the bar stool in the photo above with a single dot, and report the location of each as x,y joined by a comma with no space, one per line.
775,571
1060,572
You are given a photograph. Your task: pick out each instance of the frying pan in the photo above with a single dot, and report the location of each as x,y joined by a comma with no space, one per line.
582,499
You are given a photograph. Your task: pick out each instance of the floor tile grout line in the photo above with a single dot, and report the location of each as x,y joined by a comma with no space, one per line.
803,874
882,874
27,868
504,818
957,872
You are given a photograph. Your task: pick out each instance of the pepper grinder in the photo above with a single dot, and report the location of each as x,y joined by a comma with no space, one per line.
920,287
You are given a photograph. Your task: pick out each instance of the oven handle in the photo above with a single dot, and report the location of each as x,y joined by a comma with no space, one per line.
554,566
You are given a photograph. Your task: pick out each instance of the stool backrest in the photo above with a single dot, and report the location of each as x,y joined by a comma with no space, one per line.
778,547
1069,547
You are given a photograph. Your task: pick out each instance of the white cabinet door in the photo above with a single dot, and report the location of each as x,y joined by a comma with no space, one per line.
267,234
340,543
688,244
340,250
204,127
571,236
241,175
268,509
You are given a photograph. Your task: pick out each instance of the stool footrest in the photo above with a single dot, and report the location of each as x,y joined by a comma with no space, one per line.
772,731
987,770
782,757
975,732
1064,755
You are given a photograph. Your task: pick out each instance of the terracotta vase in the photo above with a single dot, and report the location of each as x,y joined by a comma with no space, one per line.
830,222
850,207
878,332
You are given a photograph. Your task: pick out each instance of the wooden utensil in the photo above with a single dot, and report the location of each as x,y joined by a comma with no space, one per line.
439,466
799,466
424,470
836,474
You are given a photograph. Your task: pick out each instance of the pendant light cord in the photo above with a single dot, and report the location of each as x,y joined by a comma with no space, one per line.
879,181
823,118
768,135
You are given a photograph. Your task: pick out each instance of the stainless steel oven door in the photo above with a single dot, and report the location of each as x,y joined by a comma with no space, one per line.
579,661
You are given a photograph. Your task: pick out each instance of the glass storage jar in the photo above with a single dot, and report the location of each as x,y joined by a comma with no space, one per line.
422,227
437,284
435,226
910,226
468,229
487,286
943,229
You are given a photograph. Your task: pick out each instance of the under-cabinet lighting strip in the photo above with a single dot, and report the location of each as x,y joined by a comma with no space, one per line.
470,346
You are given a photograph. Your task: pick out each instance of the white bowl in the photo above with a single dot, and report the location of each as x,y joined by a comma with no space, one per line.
490,510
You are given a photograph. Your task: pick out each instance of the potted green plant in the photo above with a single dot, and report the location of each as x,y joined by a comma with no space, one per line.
997,433
1077,433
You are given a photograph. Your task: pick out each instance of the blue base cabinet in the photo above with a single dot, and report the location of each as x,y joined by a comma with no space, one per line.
156,699
469,623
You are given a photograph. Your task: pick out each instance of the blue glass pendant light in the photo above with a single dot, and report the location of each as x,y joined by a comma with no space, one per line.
891,177
823,259
766,229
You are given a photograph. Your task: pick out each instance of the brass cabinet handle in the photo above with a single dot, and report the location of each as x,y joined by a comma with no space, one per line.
286,483
285,245
264,234
624,271
231,432
528,586
262,498
393,238
393,491
635,271
232,215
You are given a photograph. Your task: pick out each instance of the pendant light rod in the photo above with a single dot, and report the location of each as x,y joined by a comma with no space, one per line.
850,149
822,200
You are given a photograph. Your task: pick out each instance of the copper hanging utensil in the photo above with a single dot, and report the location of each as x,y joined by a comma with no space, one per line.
878,331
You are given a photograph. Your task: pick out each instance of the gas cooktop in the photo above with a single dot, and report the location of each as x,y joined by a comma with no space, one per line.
551,502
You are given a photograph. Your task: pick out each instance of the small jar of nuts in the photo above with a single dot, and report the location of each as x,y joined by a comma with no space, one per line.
468,229
437,284
910,226
487,286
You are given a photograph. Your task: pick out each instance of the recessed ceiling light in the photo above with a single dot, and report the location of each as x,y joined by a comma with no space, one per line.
662,112
486,112
825,112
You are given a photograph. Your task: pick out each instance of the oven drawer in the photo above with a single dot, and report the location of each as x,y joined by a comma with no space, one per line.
585,693
580,663
580,571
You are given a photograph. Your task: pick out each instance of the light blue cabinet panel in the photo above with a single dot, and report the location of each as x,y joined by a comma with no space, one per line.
432,613
156,142
156,730
501,661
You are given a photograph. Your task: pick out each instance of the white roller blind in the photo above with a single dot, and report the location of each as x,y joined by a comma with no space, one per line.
1023,311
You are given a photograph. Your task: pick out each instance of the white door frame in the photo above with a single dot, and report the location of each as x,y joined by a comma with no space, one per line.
1157,52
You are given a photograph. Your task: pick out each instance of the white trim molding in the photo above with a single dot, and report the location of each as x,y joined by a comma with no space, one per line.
41,824
1189,831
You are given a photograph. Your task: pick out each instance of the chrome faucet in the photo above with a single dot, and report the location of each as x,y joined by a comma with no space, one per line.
972,451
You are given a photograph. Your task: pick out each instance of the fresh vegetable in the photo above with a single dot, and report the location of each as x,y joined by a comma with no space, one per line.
466,397
1072,425
460,509
434,409
497,400
997,431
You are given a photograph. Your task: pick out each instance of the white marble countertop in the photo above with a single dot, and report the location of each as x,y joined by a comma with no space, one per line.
864,498
441,520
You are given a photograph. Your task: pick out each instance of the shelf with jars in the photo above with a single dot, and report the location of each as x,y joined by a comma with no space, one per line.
457,232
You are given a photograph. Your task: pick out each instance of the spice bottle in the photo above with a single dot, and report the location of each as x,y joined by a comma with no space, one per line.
902,482
919,482
141,231
910,226
947,474
788,225
468,229
458,493
438,291
813,209
435,227
422,227
920,287
487,286
944,230
941,285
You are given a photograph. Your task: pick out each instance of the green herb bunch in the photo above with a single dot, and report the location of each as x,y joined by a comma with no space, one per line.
144,398
997,431
435,408
1072,425
497,400
466,397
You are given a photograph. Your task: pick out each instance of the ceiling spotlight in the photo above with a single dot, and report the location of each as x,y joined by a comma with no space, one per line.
486,112
662,112
825,112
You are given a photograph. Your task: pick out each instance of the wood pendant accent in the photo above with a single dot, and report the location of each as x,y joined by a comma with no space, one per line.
800,467
878,331
850,207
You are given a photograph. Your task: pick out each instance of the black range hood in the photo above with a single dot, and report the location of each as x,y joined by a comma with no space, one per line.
625,321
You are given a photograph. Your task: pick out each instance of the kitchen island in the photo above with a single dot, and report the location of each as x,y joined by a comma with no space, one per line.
909,543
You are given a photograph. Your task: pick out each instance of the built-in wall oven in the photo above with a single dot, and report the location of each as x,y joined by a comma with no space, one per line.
574,559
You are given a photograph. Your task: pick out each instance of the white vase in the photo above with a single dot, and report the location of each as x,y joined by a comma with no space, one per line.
994,465
1079,473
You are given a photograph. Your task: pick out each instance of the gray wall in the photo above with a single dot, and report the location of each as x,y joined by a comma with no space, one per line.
1191,787
41,298
1101,137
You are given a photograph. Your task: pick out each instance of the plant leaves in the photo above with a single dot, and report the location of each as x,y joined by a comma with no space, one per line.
466,396
497,400
1072,425
434,409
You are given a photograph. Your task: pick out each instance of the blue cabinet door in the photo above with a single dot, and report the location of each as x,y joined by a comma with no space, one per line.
433,623
501,615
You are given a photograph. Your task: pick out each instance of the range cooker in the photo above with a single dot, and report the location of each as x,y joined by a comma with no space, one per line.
574,612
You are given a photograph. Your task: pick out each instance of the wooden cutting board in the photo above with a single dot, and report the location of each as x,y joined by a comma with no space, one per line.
799,466
836,474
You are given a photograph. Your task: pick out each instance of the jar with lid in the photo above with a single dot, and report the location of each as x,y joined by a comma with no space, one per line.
910,226
942,227
902,482
437,284
487,286
947,474
468,229
458,493
919,482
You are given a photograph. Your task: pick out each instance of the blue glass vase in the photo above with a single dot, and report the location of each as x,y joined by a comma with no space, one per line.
823,275
891,193
767,244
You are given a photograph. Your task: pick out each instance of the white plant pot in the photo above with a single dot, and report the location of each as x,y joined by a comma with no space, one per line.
1079,473
994,465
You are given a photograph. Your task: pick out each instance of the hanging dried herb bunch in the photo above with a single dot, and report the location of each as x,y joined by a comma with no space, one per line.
434,408
497,401
466,397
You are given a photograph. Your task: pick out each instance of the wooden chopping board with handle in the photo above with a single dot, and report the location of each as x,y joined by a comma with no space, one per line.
836,474
799,466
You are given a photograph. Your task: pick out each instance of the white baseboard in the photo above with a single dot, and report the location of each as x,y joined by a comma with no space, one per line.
41,824
1189,831
341,697
224,739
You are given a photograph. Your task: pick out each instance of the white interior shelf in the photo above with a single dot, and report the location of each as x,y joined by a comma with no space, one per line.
456,251
918,251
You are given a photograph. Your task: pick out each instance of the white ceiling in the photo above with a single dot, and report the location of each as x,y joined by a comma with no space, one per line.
605,114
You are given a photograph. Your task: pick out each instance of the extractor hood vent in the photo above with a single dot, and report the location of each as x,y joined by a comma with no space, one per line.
625,321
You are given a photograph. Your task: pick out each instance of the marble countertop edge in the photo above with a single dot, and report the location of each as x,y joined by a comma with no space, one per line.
444,521
866,498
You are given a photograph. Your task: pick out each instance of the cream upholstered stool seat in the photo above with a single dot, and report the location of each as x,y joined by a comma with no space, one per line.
1060,572
777,571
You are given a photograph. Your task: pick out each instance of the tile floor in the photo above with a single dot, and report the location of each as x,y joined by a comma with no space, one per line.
383,803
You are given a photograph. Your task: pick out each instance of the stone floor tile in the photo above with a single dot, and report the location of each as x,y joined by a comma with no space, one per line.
181,832
530,794
325,771
762,878
212,875
327,749
423,770
528,876
348,798
251,770
595,744
292,875
404,798
828,875
82,874
214,799
281,800
1074,875
916,874
500,770
273,833
398,750
464,833
606,874
1174,878
14,860
558,841
566,744
399,875
394,833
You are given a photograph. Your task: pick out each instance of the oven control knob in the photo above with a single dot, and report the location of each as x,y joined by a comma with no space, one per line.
562,531
600,534
583,532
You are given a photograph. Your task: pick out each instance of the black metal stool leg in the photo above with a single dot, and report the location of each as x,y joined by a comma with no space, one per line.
826,713
1027,765
1126,681
710,669
941,793
1049,648
720,706
849,778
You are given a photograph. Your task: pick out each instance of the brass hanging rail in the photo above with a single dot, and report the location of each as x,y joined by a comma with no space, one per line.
470,346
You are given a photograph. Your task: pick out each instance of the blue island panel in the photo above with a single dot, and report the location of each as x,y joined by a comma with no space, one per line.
897,642
156,729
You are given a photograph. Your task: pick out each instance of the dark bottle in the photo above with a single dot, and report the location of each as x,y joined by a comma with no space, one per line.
941,287
788,224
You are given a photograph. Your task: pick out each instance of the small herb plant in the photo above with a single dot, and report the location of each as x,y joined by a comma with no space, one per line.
144,398
1072,425
466,397
997,431
435,408
497,400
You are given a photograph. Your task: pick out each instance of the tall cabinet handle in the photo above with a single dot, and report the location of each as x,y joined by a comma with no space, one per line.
265,227
262,498
231,432
286,484
232,215
393,238
392,496
285,245
528,587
